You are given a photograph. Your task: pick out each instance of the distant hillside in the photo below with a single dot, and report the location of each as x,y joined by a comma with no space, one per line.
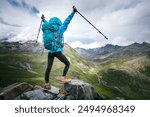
28,46
114,51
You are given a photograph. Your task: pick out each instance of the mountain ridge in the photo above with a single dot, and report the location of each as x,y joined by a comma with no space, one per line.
109,51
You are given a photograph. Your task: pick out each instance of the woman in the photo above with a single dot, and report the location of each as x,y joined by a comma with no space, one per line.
57,28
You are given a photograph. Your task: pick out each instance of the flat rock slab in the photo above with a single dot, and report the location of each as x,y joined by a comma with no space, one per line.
38,94
53,90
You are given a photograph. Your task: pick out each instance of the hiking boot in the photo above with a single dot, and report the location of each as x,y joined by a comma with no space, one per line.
64,92
65,80
47,86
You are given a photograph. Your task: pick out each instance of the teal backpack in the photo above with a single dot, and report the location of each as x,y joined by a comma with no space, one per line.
52,39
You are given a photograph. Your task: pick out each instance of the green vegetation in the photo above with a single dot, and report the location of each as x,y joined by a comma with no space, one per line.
146,71
30,67
19,67
125,77
123,84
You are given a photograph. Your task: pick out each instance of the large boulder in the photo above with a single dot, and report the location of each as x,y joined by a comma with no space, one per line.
75,90
79,90
14,90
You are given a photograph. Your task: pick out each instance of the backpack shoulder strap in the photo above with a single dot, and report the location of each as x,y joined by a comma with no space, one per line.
59,40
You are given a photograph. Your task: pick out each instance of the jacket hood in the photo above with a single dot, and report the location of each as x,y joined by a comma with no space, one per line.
55,24
55,20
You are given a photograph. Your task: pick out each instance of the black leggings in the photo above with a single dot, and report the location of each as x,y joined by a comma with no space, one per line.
51,57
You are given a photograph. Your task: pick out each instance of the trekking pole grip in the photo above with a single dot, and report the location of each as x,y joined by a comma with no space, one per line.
75,9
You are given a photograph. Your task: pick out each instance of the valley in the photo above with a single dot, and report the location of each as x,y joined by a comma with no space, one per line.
116,72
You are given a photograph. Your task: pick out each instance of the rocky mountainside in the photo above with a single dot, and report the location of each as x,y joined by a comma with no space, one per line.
28,46
101,51
114,51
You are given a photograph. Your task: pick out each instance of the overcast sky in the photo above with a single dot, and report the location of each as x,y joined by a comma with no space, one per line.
122,21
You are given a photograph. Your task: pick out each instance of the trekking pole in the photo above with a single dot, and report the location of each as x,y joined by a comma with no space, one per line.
39,32
92,25
39,29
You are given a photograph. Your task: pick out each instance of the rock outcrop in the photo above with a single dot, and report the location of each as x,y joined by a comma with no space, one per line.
75,90
12,91
80,90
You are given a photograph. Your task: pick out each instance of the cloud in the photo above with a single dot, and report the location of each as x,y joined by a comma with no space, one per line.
23,5
128,23
86,46
3,22
123,22
16,17
14,3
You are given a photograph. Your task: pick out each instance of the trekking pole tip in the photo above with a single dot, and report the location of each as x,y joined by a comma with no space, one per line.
106,38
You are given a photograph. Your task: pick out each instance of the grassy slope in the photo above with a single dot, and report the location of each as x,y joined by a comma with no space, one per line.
30,67
13,68
126,77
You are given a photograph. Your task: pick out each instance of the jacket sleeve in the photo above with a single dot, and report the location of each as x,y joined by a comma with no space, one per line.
44,21
44,25
64,26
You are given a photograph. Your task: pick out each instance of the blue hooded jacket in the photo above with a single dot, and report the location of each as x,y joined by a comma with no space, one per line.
55,25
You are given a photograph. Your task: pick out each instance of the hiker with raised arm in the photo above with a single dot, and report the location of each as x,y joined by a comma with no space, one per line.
54,41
